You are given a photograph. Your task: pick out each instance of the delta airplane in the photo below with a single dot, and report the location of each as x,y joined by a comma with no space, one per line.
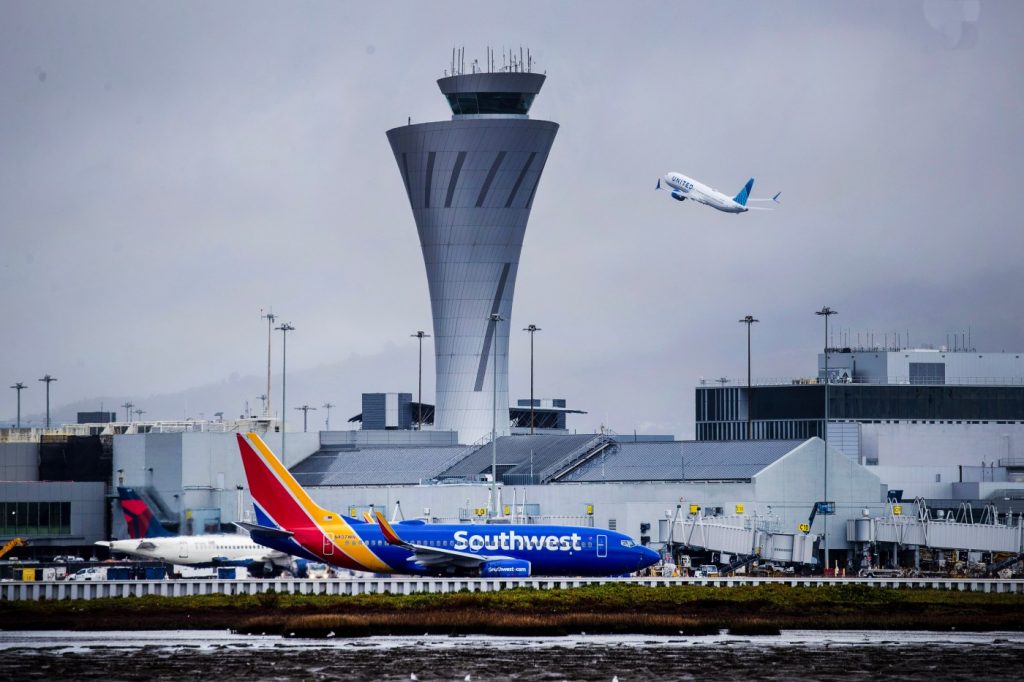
150,540
290,521
682,188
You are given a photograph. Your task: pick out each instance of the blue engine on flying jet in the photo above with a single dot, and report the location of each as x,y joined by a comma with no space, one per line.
505,568
678,195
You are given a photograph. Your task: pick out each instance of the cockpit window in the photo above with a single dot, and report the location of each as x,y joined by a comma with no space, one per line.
628,543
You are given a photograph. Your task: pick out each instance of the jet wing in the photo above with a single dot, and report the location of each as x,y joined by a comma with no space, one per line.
431,557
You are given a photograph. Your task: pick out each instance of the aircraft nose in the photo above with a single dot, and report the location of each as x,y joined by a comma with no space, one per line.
648,557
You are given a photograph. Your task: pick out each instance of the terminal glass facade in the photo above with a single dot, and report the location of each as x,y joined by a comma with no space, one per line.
35,518
798,411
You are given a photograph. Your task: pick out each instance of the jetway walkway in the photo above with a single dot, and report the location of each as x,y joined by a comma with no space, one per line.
738,535
922,528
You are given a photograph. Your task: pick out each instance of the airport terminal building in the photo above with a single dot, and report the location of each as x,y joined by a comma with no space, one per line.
903,423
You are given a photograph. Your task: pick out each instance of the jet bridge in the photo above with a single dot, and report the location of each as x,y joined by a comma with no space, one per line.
747,536
922,528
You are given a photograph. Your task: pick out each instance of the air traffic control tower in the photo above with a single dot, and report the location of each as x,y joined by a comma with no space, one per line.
471,183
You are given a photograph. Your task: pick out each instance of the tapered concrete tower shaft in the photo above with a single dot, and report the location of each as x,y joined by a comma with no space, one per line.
471,182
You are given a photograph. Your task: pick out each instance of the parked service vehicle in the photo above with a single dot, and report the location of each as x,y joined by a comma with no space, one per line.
710,571
90,573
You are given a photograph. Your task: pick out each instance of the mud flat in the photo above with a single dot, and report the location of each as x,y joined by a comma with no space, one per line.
216,655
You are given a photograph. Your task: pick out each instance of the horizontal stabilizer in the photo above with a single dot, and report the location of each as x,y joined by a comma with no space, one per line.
266,531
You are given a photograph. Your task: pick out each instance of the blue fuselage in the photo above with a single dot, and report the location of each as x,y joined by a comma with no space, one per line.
550,550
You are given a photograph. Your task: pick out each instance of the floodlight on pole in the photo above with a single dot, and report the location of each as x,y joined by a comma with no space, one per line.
419,397
305,413
284,329
48,380
826,312
327,424
138,414
270,317
722,380
19,387
749,320
128,405
264,398
495,318
533,329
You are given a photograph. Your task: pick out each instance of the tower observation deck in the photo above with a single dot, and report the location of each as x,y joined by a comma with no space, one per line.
471,182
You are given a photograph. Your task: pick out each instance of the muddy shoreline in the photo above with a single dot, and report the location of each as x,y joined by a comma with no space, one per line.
794,655
619,609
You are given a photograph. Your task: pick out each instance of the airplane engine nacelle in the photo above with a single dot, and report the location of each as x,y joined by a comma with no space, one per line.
505,568
678,195
298,567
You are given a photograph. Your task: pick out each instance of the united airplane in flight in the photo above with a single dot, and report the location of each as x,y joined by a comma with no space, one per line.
290,521
682,188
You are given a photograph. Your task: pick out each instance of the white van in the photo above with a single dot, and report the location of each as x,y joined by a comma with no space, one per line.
91,573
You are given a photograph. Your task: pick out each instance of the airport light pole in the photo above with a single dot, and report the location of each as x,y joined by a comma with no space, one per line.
48,380
138,414
826,312
419,397
128,405
749,320
327,424
495,319
305,413
284,329
533,329
19,387
270,317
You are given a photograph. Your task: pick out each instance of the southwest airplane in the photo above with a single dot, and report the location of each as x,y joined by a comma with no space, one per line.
150,540
682,188
289,521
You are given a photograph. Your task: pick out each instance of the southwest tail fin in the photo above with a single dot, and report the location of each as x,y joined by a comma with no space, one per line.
279,500
140,519
744,194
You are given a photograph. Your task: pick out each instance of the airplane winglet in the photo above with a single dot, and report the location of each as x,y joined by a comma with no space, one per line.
776,197
658,186
367,517
389,533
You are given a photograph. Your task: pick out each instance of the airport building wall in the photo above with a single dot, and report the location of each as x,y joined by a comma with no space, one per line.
925,366
783,494
19,461
53,513
195,475
796,481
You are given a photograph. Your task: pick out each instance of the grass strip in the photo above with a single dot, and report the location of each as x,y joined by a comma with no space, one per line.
610,608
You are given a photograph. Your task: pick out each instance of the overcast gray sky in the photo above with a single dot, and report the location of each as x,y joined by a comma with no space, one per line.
169,168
